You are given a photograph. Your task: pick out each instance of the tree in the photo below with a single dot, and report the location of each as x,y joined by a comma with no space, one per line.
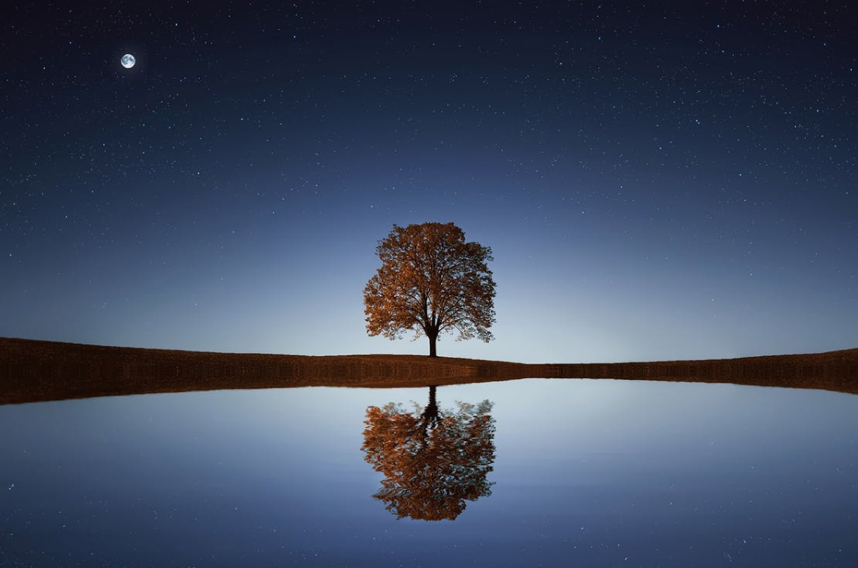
430,281
432,461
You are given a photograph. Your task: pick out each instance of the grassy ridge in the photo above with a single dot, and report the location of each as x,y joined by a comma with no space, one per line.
32,371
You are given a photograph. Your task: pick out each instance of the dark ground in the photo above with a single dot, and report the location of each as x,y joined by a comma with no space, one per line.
34,371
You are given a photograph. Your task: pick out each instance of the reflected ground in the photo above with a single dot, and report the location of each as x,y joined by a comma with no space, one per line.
594,473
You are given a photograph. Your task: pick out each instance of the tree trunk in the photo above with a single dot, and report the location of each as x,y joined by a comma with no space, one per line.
433,337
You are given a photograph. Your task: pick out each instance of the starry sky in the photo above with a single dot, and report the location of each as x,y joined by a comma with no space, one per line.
667,180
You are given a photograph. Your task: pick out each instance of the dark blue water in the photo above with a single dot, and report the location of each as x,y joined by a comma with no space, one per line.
560,473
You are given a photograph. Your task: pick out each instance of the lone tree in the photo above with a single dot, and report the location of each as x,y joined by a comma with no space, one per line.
430,281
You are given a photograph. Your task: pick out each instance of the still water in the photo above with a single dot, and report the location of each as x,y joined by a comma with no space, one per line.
522,473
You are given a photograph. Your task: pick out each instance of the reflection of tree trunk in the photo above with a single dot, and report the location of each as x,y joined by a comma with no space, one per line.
432,407
430,415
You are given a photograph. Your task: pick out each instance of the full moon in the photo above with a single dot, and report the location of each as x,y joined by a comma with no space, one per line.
128,61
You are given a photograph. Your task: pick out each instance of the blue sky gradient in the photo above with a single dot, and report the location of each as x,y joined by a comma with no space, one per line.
660,182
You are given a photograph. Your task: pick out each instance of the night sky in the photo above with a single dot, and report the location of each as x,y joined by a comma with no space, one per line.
662,181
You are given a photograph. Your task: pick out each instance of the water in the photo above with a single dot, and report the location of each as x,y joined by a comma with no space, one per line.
589,473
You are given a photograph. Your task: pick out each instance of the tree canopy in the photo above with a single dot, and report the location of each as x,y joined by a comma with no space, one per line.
431,281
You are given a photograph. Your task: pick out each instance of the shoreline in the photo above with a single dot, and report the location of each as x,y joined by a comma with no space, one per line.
40,371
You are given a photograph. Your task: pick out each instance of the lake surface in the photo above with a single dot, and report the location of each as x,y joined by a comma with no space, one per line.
548,473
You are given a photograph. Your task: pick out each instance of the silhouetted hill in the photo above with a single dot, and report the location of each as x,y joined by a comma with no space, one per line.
32,371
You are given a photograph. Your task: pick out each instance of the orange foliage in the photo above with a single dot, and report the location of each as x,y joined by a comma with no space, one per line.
430,281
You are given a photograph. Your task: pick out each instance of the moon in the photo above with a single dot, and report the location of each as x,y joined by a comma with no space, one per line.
128,61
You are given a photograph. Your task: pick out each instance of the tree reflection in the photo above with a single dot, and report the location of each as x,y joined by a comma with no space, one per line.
433,461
